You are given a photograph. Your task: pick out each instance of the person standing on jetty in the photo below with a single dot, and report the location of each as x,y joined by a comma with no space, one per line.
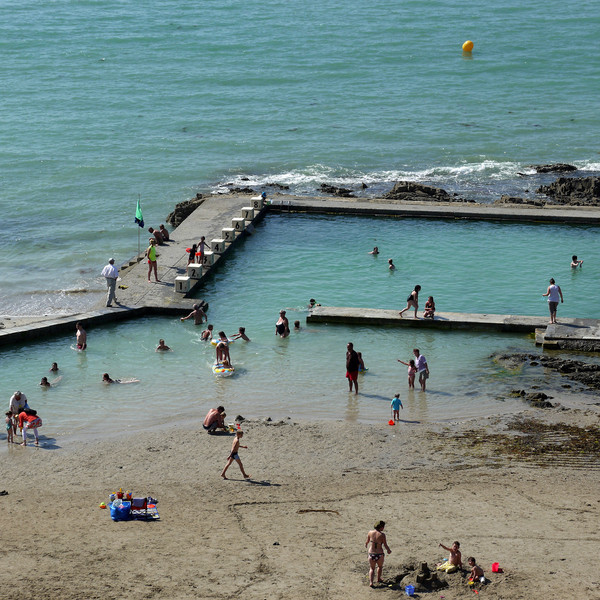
375,544
151,254
352,365
554,294
110,273
412,300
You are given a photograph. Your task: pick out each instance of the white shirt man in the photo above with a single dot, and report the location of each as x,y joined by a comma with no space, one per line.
110,272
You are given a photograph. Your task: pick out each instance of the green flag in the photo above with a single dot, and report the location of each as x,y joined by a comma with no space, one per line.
139,217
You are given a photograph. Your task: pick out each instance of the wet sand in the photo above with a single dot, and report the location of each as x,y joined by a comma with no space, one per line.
297,528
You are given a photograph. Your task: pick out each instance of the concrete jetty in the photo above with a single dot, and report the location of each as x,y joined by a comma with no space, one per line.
137,297
580,334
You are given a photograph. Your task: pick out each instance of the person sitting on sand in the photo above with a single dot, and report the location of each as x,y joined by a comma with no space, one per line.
391,265
241,334
376,542
454,562
198,314
215,419
54,367
476,571
233,455
429,311
207,333
162,346
44,382
575,263
375,250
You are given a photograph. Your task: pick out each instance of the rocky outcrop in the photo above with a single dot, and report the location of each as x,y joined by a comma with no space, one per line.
576,370
576,191
506,199
336,191
557,168
277,186
241,190
411,191
183,210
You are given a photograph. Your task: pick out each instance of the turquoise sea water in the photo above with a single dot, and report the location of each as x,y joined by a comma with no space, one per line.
288,260
105,101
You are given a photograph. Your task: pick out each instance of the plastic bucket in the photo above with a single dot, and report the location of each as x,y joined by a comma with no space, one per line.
495,567
410,590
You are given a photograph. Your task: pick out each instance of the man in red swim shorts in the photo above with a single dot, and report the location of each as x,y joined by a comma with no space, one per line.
352,364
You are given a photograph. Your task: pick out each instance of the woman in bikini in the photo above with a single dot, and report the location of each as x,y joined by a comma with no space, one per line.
412,300
376,542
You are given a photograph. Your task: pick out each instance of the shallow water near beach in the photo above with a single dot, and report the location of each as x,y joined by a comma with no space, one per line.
288,260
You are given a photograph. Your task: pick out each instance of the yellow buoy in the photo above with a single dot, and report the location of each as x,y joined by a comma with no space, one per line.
468,46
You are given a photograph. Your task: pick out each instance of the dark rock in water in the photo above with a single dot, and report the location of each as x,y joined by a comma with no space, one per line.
576,191
411,191
279,186
364,186
506,199
557,168
336,191
538,400
241,190
183,210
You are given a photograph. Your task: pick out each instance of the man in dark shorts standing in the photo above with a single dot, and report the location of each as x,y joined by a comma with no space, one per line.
352,364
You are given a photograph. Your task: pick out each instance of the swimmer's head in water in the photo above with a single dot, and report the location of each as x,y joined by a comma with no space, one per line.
196,306
209,327
221,334
417,288
552,281
379,525
282,312
574,257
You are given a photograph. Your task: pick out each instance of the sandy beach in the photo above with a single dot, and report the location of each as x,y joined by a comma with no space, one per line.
297,528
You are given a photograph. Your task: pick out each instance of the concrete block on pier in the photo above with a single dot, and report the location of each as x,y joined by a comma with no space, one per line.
194,271
182,284
258,203
248,213
208,260
238,224
228,234
217,245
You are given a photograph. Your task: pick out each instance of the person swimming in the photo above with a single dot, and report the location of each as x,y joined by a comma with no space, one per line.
44,382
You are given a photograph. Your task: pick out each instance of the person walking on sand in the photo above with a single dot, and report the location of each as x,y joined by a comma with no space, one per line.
412,300
375,544
110,273
151,254
422,368
81,337
554,294
352,365
233,455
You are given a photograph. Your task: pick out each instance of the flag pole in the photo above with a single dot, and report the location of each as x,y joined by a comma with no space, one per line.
139,249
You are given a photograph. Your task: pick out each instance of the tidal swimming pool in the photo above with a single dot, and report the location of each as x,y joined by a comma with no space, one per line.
466,266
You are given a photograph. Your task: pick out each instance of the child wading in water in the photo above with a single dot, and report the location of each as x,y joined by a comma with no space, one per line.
412,371
396,406
9,427
235,456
